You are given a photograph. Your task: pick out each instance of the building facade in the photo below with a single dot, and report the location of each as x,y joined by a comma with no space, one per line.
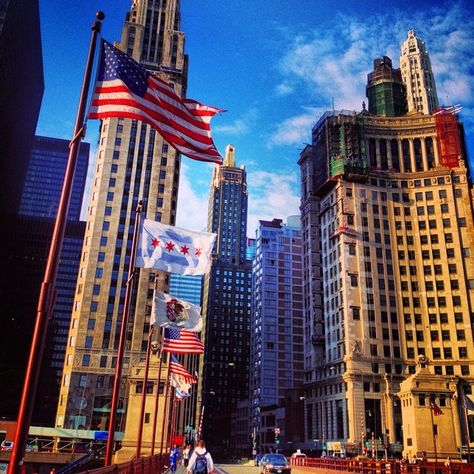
187,287
46,170
26,265
386,220
226,306
276,344
133,164
415,67
21,92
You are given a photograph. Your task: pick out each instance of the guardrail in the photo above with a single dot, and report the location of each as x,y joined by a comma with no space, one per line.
390,466
146,465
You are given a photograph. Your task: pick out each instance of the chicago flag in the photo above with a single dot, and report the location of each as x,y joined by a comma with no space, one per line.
172,249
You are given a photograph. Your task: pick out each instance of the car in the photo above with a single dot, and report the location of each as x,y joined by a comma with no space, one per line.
6,445
298,454
275,463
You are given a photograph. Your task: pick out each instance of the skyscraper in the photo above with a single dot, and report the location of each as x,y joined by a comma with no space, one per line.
187,287
386,225
385,89
21,91
45,176
25,268
415,66
134,163
226,304
276,348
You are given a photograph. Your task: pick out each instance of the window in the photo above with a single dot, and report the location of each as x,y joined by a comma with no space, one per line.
86,360
463,352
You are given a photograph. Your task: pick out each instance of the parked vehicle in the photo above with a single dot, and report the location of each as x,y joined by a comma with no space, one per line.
275,464
6,445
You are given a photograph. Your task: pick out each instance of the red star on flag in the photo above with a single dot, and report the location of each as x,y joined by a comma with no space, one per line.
155,242
197,252
184,250
170,246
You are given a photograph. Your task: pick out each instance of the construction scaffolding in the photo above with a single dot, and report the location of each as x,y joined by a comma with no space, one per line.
449,146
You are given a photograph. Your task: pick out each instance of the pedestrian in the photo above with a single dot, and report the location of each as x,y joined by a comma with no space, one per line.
201,460
174,457
186,455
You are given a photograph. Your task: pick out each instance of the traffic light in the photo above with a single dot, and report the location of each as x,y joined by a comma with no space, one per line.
277,439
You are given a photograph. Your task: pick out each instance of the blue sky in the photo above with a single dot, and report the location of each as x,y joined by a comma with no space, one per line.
275,66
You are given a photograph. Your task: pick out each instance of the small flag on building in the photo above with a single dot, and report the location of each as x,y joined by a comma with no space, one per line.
125,88
177,368
171,312
172,249
435,409
181,342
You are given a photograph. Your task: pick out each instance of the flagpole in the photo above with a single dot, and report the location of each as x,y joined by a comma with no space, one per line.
434,436
468,437
466,421
165,413
170,443
46,296
123,336
144,393
157,402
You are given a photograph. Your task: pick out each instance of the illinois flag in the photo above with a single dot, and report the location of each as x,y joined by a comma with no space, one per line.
175,250
171,312
126,89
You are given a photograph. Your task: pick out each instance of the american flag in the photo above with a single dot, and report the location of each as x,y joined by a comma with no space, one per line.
124,88
177,368
181,342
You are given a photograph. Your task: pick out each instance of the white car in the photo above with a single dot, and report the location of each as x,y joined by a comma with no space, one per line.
6,445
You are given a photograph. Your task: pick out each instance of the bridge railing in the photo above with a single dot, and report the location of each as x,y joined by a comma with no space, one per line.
383,467
145,465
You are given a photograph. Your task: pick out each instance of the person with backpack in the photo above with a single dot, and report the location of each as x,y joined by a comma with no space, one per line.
201,460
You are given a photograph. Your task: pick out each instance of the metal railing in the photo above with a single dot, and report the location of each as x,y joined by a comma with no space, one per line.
390,466
146,465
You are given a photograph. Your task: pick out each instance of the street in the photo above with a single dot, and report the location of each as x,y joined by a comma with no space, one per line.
229,469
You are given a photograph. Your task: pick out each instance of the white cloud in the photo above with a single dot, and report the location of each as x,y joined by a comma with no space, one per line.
239,126
331,64
294,130
332,61
271,195
192,200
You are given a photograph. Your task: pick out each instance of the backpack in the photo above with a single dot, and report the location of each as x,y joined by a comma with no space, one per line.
200,466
